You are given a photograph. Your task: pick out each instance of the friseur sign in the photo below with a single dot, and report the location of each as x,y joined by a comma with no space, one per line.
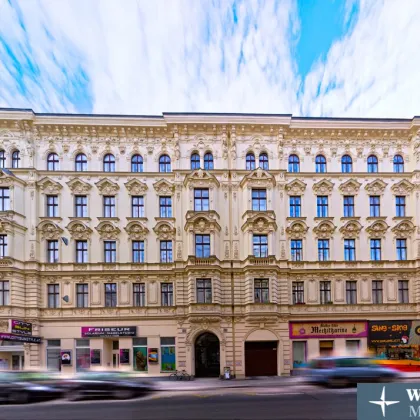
104,332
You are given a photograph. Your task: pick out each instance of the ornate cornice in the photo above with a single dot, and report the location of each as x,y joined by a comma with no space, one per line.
404,229
164,231
136,230
78,186
351,230
49,186
200,177
376,187
377,229
403,187
202,222
324,230
49,230
323,187
350,187
164,187
258,178
78,230
107,187
295,187
136,187
297,230
107,230
260,222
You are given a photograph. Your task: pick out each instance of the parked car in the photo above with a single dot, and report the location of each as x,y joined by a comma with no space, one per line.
16,388
105,384
345,371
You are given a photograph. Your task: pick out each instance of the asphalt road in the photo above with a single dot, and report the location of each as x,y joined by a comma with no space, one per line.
309,404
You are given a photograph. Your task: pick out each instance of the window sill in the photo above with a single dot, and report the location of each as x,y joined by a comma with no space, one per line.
140,219
158,219
376,218
324,218
56,219
396,218
111,219
296,218
350,218
86,219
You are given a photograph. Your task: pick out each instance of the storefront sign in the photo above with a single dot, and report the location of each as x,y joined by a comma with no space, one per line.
339,329
65,356
20,338
103,332
125,356
95,357
393,332
20,327
153,356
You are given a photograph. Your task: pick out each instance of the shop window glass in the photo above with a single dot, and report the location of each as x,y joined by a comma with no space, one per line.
140,354
82,354
352,346
53,355
167,352
299,354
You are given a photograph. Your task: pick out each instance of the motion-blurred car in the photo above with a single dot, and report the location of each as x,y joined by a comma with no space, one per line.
18,388
340,372
105,384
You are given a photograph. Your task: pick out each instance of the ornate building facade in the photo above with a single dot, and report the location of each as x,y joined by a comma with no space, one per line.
204,241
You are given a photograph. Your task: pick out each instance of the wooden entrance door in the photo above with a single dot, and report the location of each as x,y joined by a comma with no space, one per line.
261,358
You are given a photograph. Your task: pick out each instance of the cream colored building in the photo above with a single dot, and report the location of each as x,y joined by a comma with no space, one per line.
217,238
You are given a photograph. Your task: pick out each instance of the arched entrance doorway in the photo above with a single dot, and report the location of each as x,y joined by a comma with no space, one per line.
207,356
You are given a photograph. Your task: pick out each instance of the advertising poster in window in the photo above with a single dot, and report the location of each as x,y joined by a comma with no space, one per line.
168,358
95,357
140,359
65,356
124,356
153,355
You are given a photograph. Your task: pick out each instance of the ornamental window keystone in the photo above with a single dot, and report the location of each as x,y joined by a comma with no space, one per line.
295,187
350,187
49,186
376,187
107,187
78,186
323,187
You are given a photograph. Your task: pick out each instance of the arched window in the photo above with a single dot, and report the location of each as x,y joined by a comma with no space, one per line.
398,164
320,164
164,163
109,163
52,162
264,161
137,163
250,162
294,163
195,161
208,161
16,159
372,164
81,162
346,164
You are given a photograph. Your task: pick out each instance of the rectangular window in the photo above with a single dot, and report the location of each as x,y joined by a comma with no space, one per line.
82,354
137,206
403,291
3,246
348,206
298,292
204,292
400,205
259,200
349,250
261,291
299,354
140,354
296,249
165,206
138,251
322,206
52,205
167,351
81,252
352,346
53,355
202,246
325,292
53,295
323,249
260,246
167,294
201,199
375,206
82,294
110,251
80,206
294,206
165,251
52,251
377,295
109,206
351,292
4,293
4,199
111,295
139,294
401,249
375,249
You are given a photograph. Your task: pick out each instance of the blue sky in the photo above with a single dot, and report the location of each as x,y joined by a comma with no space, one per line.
306,57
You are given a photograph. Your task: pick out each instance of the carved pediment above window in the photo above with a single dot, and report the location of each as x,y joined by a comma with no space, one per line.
377,229
258,178
107,187
78,186
297,230
164,231
6,225
260,223
200,177
202,222
324,230
403,187
295,187
350,187
49,230
404,229
136,230
78,230
49,186
7,179
376,187
351,229
323,187
107,230
164,187
136,187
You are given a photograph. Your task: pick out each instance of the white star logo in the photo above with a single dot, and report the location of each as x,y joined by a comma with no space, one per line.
383,403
